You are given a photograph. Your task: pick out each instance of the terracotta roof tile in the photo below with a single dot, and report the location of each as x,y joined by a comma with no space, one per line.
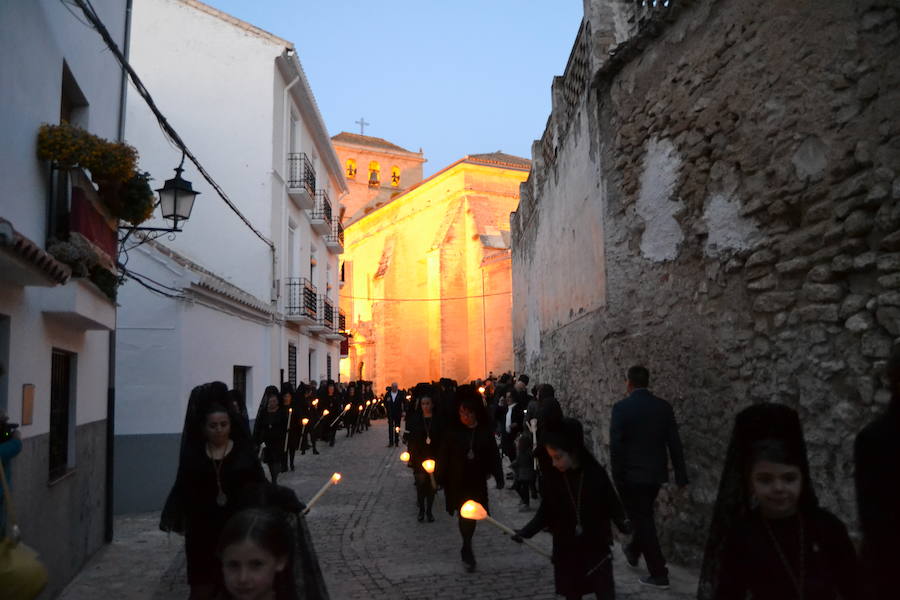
27,250
366,140
500,158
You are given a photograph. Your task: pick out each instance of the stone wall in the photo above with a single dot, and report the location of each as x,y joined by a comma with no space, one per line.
725,199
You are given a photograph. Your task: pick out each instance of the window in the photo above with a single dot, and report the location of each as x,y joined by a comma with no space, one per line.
328,366
374,173
73,104
311,364
240,379
395,176
351,168
291,250
292,364
62,413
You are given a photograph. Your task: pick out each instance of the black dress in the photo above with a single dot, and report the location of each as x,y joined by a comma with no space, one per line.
582,563
196,489
763,560
462,477
270,431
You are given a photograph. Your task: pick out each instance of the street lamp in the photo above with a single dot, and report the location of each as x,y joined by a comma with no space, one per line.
176,200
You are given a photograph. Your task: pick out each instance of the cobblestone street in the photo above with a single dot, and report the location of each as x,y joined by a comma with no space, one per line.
368,541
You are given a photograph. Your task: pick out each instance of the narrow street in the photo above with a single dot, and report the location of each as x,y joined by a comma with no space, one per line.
367,539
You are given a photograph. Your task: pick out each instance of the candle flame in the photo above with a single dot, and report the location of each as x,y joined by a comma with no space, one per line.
347,407
335,478
305,421
325,413
404,456
359,407
481,390
316,401
396,430
368,402
409,396
428,465
472,510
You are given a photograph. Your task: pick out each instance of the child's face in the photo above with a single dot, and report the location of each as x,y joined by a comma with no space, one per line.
249,571
562,460
777,486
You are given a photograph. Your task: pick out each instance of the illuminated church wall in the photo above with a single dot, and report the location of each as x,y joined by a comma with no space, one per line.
428,277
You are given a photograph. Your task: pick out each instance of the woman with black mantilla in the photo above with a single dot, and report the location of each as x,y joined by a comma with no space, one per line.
769,538
468,457
578,505
217,465
270,431
424,431
294,413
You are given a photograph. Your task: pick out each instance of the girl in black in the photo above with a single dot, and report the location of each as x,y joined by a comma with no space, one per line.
468,457
270,430
769,539
295,416
423,434
578,504
217,466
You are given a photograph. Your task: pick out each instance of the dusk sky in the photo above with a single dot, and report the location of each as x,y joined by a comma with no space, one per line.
453,78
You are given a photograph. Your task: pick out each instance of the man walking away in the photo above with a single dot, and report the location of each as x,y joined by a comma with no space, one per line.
641,430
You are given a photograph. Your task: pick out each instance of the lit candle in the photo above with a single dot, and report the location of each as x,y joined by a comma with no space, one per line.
481,390
428,465
475,511
404,456
332,481
315,402
288,430
304,421
346,408
397,429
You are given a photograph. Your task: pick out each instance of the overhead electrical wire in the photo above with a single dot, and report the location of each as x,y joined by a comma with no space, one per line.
169,131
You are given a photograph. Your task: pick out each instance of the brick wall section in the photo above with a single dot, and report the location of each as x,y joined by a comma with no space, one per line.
739,163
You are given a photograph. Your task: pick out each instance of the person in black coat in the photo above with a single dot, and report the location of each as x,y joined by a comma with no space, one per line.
394,398
424,432
309,405
578,506
468,457
217,465
270,432
641,430
877,457
294,413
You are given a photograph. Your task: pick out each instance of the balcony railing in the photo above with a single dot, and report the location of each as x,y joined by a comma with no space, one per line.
342,321
335,239
301,298
320,217
301,173
326,312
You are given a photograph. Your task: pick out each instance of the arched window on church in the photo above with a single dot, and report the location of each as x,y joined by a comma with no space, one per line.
395,176
374,173
351,168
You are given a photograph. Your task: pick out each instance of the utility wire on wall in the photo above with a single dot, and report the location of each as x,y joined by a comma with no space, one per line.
170,132
426,299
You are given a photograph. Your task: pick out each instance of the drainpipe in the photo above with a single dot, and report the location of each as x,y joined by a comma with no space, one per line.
111,378
285,146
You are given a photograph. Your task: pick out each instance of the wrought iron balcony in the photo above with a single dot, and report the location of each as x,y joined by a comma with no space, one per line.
301,180
324,323
342,321
320,217
335,240
300,303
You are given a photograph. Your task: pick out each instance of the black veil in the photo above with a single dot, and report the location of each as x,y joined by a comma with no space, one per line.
768,421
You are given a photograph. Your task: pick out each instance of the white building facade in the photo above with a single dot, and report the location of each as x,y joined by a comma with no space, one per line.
55,324
221,301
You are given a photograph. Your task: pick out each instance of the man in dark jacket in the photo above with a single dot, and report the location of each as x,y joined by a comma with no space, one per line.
394,399
641,431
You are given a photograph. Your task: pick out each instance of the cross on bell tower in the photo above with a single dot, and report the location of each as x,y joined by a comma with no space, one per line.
362,125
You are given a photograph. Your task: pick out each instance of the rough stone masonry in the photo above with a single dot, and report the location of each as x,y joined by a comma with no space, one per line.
717,196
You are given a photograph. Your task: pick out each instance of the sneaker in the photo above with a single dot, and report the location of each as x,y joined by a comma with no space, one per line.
659,583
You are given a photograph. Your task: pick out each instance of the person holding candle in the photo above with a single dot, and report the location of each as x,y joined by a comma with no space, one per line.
351,418
216,466
578,505
467,458
311,411
294,425
331,401
424,432
269,431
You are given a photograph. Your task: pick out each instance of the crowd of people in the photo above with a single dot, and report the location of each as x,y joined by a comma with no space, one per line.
769,537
